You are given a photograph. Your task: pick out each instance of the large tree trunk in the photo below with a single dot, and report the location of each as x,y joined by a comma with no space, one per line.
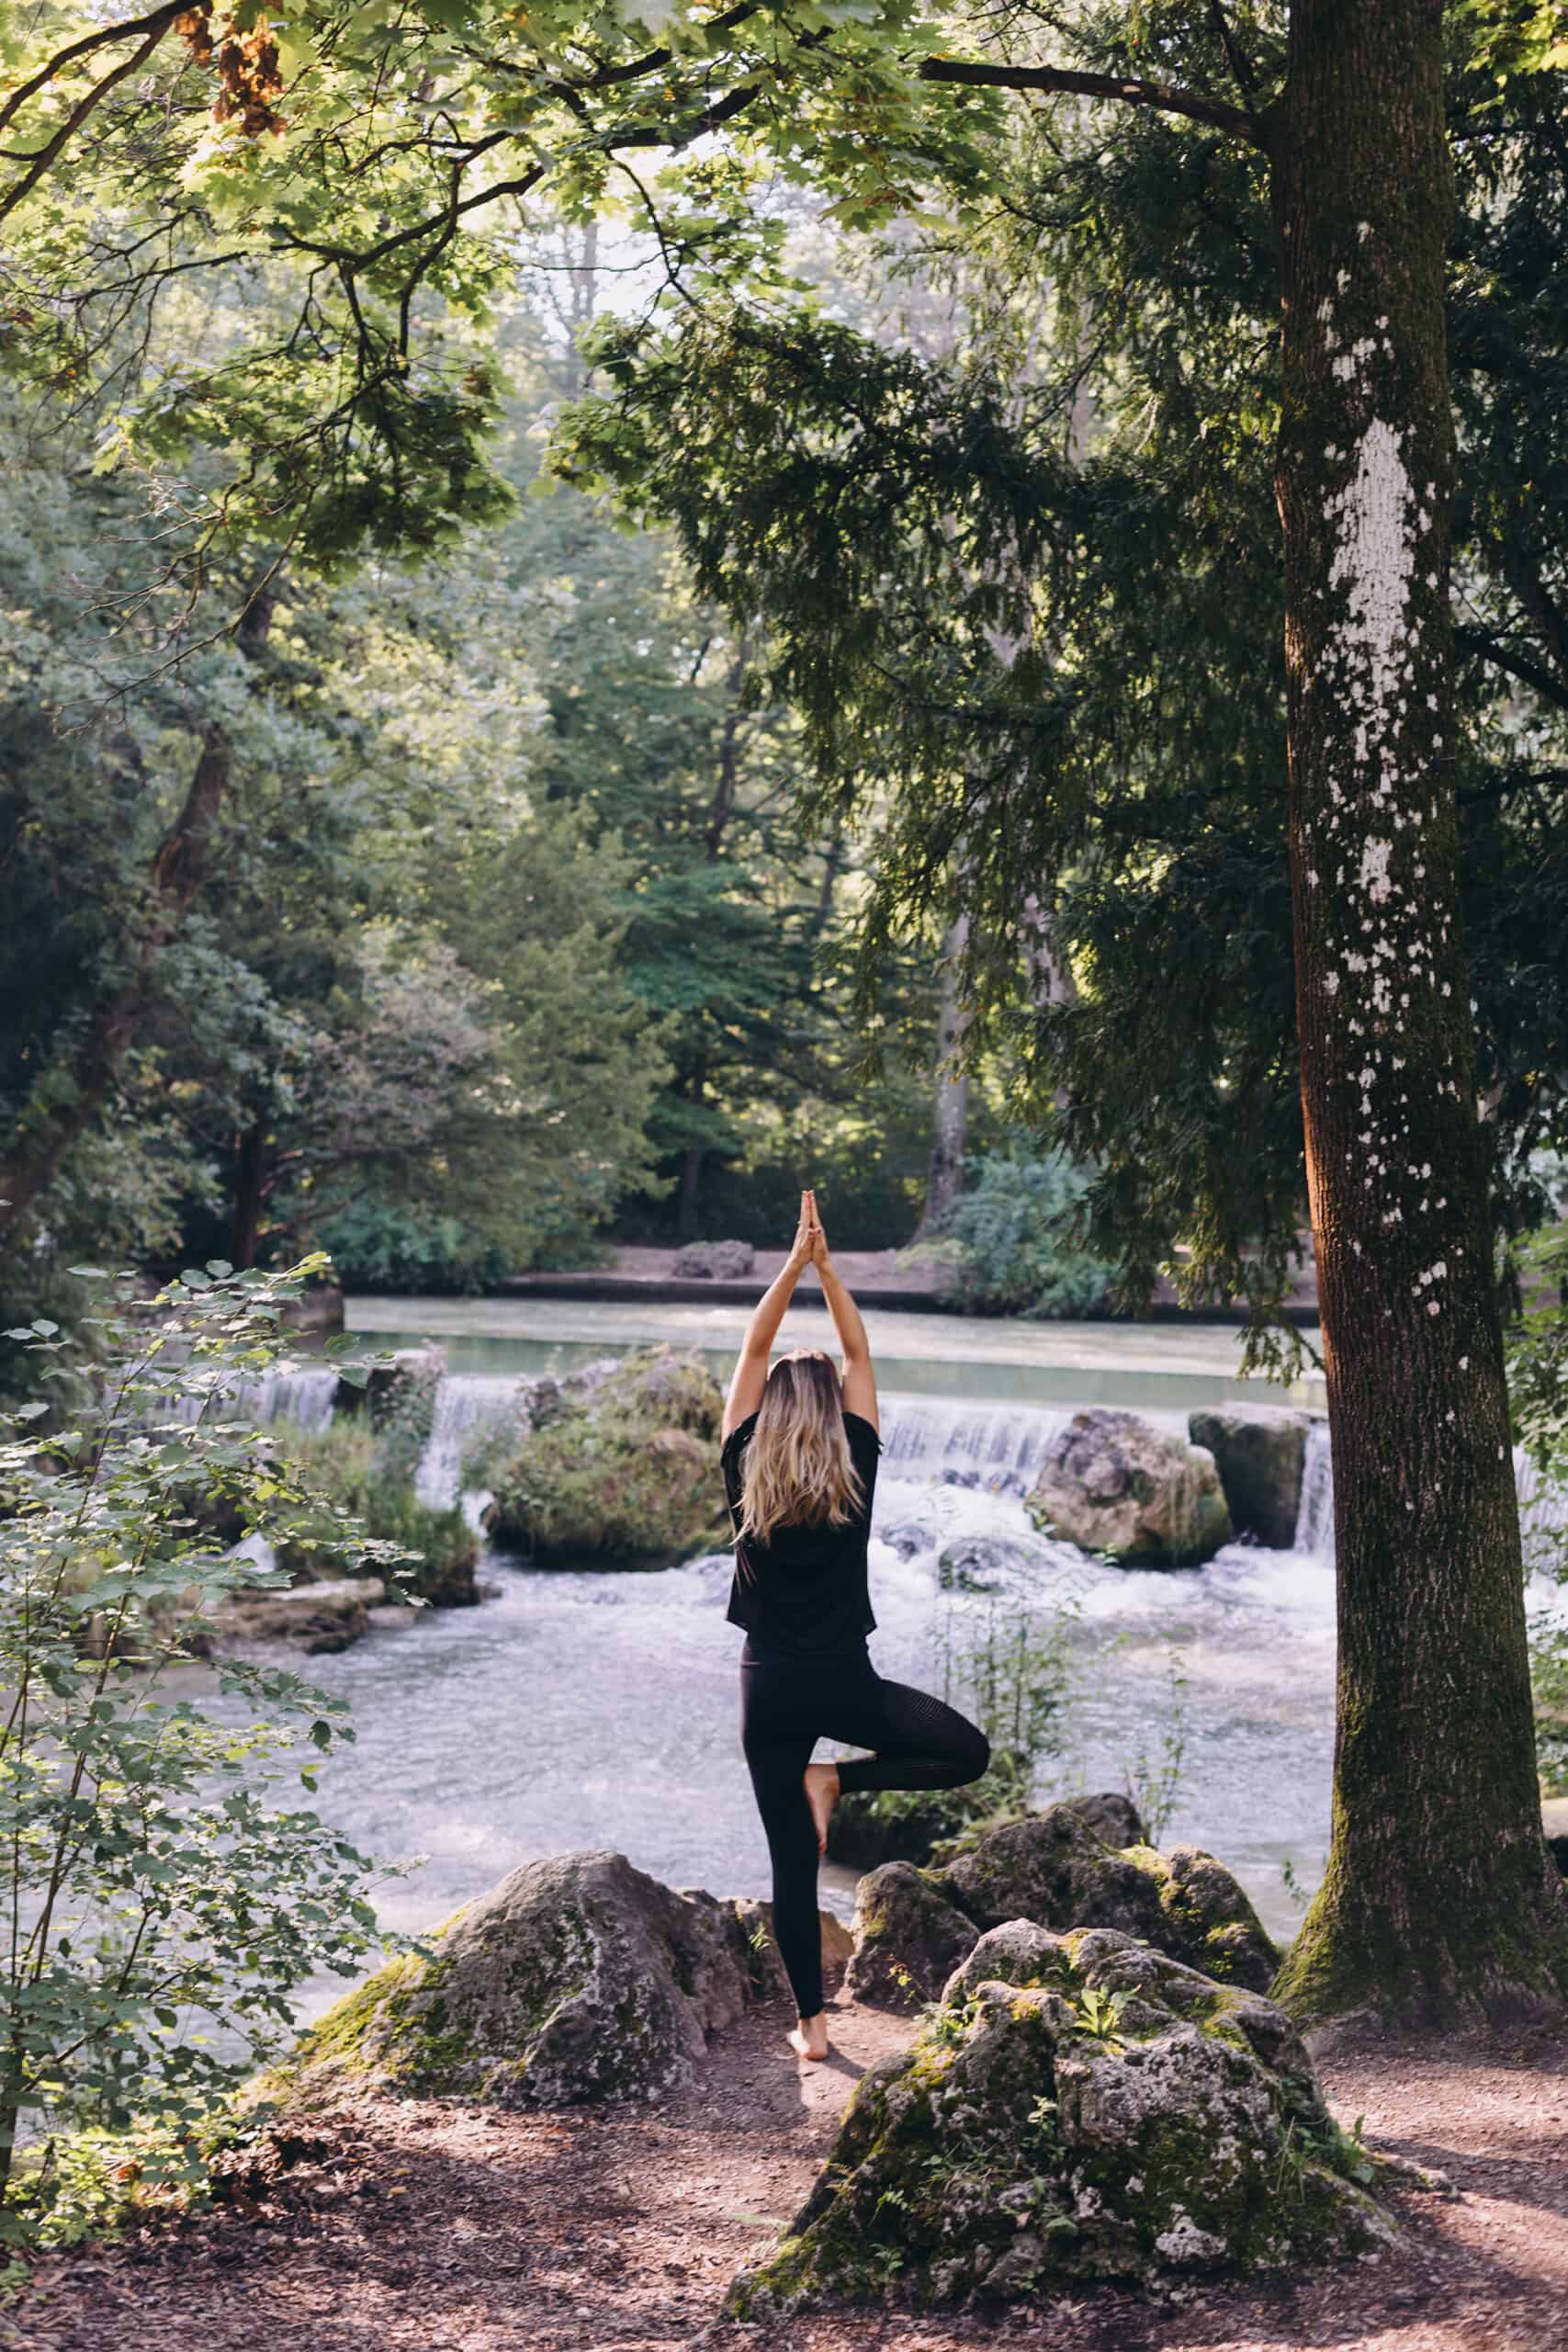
1439,1901
950,1107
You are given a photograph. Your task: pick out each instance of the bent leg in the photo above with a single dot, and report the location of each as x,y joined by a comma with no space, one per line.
921,1742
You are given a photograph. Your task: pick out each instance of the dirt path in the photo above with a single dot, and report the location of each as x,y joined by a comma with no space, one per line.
427,2228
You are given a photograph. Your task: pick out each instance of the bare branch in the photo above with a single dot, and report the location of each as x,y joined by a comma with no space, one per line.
978,73
1517,665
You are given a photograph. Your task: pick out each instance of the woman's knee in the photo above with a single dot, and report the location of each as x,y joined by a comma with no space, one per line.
977,1753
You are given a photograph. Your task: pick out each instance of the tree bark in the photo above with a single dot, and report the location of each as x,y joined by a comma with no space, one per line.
950,1109
1439,1901
178,869
250,1192
691,1193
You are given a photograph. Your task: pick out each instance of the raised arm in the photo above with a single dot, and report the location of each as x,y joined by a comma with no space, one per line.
751,1375
860,1381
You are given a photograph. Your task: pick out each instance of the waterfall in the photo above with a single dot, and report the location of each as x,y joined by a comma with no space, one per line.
1540,1506
1314,1512
305,1394
467,1404
999,1444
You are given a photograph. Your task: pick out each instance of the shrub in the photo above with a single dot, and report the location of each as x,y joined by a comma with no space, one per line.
627,1470
163,1904
346,1466
376,1246
1014,1248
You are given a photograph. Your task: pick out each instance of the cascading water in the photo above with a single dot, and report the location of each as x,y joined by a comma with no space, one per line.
1314,1512
467,1405
927,1437
304,1394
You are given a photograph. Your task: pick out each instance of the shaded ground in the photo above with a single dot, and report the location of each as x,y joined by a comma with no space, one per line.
425,2228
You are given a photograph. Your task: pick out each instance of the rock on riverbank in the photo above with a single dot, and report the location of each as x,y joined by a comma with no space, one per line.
577,1981
913,1927
1259,1452
624,1472
1079,2106
1116,1484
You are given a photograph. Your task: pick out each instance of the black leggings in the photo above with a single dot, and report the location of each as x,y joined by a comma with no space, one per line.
786,1705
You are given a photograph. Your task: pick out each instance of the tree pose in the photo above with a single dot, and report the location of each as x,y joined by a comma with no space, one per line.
799,1456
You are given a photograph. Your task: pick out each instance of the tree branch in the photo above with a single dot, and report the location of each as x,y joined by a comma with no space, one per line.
1234,55
78,117
980,74
1517,665
157,19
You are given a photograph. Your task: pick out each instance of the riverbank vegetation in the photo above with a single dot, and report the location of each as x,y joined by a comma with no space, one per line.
167,1891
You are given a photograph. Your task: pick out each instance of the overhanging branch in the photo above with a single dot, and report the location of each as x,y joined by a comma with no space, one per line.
1060,81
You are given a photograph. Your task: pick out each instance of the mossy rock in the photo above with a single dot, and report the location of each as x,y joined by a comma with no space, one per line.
577,1981
1076,2107
625,1473
1052,1869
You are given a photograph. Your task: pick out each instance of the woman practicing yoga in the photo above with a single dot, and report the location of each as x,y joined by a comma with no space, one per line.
799,1457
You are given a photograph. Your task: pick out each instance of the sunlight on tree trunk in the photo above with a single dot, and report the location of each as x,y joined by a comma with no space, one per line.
1439,1900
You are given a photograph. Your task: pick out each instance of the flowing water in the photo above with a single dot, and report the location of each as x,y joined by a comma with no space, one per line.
599,1708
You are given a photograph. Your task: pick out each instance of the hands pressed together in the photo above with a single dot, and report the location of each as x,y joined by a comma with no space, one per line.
810,1247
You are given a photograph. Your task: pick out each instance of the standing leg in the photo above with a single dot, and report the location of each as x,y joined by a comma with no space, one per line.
777,1753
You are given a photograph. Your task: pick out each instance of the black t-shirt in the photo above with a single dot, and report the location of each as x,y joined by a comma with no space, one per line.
804,1593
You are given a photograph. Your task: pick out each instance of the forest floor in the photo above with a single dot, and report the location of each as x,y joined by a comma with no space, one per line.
424,2227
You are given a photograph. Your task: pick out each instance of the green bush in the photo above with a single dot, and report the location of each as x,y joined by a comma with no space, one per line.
1014,1251
627,1472
163,1904
347,1465
376,1246
1549,1686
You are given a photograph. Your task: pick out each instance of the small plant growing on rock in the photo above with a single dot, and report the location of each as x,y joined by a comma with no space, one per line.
1100,2014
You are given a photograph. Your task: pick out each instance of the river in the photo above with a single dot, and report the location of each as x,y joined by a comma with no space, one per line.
599,1709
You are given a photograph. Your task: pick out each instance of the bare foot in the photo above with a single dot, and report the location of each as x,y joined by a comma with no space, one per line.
821,1795
809,2039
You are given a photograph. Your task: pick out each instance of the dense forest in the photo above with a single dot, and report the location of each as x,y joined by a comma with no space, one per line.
448,912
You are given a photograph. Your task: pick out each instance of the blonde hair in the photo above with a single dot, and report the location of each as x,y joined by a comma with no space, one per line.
800,1470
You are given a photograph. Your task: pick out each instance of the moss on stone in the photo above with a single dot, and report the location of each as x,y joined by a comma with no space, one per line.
627,1472
1105,2112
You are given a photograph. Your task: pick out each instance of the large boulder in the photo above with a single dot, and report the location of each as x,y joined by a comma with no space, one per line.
1079,2106
715,1261
908,1937
624,1472
577,1981
1052,1869
1116,1484
1259,1451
